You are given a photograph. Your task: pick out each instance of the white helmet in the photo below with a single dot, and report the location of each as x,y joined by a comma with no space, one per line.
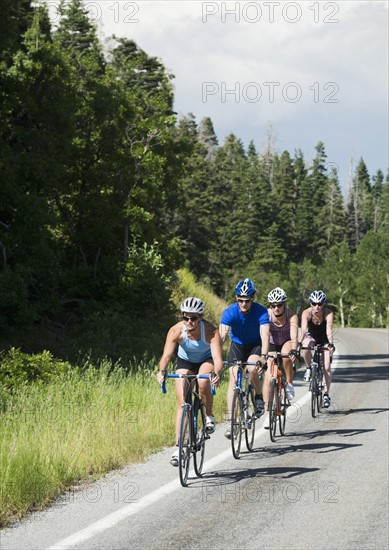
318,297
192,305
276,295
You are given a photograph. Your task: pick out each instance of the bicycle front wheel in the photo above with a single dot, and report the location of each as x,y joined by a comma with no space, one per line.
184,446
200,436
314,391
236,424
273,398
250,418
319,401
284,409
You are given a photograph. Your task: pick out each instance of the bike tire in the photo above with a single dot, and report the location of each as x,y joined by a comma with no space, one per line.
273,410
284,409
236,424
250,418
200,437
314,390
319,400
184,446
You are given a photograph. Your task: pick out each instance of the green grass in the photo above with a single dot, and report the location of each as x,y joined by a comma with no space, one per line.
83,423
78,426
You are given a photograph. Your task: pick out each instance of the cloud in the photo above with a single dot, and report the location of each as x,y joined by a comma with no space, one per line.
327,62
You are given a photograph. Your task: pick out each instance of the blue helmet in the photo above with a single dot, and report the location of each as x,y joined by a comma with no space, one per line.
245,287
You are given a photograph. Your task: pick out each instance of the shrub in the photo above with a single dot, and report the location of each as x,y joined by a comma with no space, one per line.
18,368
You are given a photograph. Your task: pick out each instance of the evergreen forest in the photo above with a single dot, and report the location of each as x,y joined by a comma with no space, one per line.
106,194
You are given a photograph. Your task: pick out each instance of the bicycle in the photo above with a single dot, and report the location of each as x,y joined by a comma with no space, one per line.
278,401
317,372
243,413
193,433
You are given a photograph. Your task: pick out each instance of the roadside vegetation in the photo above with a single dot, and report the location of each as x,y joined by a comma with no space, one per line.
79,426
63,424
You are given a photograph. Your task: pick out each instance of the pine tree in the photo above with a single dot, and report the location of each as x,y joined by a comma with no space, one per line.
378,180
78,36
194,211
360,206
16,18
383,211
320,196
284,194
228,196
333,214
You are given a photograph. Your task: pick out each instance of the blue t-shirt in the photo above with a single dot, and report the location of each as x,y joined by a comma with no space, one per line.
244,329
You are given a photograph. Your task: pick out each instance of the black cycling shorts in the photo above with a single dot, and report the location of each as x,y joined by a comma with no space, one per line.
275,347
194,367
239,352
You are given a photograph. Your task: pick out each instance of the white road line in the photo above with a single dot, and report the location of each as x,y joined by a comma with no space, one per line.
115,517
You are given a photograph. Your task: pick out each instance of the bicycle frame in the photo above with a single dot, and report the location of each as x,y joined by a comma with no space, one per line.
278,401
192,430
317,373
243,413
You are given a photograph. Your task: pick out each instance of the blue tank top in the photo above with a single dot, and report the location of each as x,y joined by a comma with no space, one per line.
195,351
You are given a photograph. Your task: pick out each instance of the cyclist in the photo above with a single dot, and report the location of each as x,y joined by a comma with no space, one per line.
283,338
249,324
316,328
199,352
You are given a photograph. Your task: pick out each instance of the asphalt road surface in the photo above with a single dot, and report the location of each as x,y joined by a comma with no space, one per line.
324,485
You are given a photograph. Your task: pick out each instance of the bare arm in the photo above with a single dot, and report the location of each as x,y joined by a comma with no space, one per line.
294,328
264,331
330,325
217,355
223,331
172,339
304,323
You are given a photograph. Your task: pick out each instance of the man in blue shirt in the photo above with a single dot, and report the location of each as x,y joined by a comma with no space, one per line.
248,323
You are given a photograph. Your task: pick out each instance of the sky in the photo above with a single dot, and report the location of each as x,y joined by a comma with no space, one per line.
302,72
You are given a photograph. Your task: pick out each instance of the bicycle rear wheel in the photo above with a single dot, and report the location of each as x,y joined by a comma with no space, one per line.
250,418
273,409
284,409
184,446
314,391
200,437
236,423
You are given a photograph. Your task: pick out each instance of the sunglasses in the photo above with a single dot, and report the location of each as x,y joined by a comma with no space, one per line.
317,303
242,301
192,319
276,305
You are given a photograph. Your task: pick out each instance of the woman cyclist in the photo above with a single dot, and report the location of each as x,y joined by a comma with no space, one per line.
283,338
317,328
249,324
199,352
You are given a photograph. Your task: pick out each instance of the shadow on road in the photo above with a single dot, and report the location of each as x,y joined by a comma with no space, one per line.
319,433
373,410
351,375
226,477
360,358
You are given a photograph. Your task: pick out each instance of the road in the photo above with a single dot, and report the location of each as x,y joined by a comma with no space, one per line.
324,485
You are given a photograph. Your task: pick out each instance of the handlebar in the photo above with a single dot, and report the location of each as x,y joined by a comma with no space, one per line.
193,376
274,354
319,347
242,363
